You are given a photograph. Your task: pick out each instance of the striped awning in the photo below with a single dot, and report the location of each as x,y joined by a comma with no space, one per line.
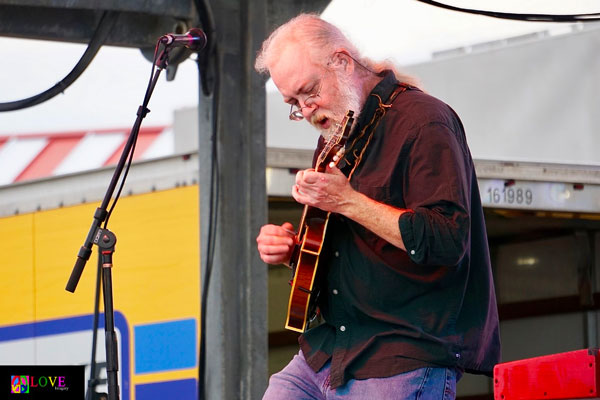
33,156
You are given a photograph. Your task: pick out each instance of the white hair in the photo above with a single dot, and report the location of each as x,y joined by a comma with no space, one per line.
319,39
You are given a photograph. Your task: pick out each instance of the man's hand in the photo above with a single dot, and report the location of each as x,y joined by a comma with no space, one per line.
275,243
329,191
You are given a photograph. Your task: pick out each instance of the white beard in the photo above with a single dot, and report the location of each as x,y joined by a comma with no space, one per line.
349,99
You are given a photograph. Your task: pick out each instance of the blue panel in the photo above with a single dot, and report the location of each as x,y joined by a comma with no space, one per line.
185,389
165,346
75,324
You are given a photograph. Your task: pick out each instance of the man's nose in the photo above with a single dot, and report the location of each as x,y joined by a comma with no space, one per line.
307,110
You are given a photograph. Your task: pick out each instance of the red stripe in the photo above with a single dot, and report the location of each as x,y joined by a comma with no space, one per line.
60,144
49,158
59,135
146,137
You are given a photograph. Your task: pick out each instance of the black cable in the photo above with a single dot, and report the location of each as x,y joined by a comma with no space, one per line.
206,59
103,30
208,63
136,131
519,17
211,236
123,178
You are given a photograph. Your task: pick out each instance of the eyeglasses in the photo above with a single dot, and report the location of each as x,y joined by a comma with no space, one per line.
296,110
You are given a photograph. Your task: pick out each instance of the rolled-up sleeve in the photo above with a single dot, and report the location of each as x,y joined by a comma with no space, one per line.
435,230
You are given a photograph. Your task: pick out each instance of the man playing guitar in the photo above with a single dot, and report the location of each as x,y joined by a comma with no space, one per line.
407,295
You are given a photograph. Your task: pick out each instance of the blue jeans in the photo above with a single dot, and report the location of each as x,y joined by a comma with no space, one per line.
298,381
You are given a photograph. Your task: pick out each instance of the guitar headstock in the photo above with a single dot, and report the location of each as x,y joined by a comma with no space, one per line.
335,145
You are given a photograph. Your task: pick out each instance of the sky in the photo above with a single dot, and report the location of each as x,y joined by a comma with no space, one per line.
110,90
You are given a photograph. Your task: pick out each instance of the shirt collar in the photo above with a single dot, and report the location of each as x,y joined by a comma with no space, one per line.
383,89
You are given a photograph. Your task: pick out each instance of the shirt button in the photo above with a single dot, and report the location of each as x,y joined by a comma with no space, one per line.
343,328
412,252
337,253
335,291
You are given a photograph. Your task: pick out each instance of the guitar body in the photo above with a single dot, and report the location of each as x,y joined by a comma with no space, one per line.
304,292
309,241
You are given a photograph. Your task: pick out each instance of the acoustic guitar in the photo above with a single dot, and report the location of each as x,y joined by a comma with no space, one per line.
309,240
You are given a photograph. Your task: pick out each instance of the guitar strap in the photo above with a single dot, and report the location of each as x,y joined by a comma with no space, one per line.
357,148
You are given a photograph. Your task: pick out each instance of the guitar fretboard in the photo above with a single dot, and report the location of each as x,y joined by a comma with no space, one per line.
335,139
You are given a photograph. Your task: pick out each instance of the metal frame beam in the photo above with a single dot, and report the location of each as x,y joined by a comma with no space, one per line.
139,23
236,326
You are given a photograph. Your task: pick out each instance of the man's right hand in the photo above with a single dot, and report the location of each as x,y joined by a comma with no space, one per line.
275,243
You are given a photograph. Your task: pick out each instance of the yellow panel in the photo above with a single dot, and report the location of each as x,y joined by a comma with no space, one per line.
157,267
16,270
59,234
156,274
156,262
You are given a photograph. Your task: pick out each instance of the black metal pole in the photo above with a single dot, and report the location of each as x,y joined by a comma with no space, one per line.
112,355
93,381
107,245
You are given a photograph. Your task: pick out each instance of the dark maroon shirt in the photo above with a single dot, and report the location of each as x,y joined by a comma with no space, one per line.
389,311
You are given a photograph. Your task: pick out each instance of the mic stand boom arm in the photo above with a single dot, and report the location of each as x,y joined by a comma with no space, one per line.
101,212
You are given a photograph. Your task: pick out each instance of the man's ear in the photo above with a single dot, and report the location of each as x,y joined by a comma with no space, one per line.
341,59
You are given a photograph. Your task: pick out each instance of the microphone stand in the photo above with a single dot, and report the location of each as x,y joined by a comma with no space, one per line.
106,240
91,393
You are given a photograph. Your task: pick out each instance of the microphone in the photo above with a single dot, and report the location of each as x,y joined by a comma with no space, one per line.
194,39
